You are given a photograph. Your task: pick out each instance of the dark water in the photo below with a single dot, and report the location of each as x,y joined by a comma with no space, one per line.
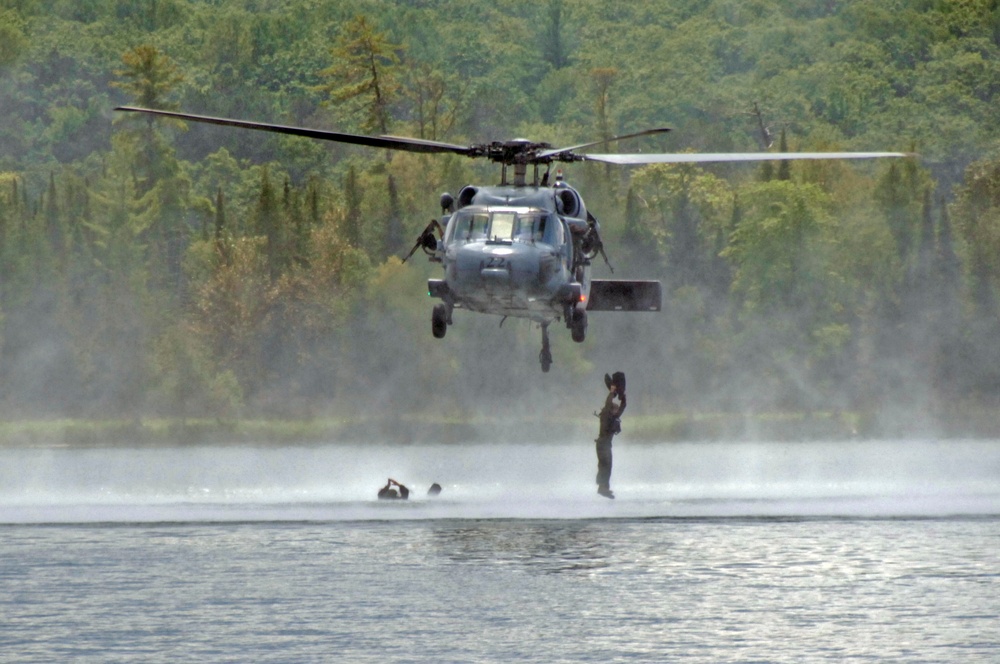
715,553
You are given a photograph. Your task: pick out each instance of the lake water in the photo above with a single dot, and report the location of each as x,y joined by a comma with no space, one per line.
712,552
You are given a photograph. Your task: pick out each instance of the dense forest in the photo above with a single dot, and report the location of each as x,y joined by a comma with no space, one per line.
156,268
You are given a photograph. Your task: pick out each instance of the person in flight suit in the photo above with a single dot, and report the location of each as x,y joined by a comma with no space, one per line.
610,424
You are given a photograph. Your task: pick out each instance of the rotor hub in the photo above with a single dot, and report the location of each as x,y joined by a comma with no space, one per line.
516,151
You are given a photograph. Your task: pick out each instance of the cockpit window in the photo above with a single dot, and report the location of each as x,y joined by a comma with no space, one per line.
521,226
468,227
503,225
529,228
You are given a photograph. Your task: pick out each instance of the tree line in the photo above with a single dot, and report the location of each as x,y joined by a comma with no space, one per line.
157,267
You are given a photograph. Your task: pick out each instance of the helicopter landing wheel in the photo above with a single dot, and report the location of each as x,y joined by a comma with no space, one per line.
439,321
545,357
578,324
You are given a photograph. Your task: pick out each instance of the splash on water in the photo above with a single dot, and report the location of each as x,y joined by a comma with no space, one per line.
336,482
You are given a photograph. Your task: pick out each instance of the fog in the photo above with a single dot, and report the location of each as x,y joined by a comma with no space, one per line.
336,482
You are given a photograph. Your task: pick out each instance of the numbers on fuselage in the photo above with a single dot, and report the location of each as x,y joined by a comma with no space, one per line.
494,262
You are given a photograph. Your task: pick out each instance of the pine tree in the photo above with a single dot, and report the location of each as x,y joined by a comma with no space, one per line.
352,213
947,265
269,225
948,295
151,78
685,261
785,165
53,220
553,44
221,244
921,283
364,74
892,196
721,273
394,234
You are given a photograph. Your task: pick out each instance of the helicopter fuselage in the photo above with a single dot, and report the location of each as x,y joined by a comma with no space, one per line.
514,251
525,251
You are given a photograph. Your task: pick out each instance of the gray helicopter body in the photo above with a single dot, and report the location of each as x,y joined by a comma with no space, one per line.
503,269
525,251
509,251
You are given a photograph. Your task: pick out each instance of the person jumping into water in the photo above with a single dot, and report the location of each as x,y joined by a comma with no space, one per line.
610,424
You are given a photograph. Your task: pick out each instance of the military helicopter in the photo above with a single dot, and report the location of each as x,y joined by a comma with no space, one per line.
522,248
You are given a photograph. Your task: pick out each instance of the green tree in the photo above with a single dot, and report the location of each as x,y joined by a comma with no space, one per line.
271,227
922,291
691,203
781,252
163,188
54,224
353,195
553,42
947,265
220,230
637,238
13,41
364,75
949,291
437,100
977,213
977,217
602,78
898,193
785,165
395,231
792,297
152,79
229,314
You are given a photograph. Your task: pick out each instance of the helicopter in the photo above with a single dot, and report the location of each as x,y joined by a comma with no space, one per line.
523,248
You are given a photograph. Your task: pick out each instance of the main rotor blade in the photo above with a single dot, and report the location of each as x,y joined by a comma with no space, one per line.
385,142
647,132
709,157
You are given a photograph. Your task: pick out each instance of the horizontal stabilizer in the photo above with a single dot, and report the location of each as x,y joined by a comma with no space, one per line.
620,295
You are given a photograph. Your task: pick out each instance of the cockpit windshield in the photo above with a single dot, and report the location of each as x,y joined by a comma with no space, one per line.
503,225
517,225
530,227
469,227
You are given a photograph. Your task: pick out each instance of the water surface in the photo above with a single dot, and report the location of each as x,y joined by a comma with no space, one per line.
711,553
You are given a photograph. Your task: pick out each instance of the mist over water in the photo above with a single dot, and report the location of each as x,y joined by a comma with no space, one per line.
338,482
731,551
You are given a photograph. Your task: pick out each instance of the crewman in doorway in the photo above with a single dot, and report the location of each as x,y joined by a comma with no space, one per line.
610,424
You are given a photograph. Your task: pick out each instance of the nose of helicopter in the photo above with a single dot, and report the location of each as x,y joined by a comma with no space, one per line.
498,266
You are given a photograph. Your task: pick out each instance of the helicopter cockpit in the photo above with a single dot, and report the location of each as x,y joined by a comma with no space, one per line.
526,225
